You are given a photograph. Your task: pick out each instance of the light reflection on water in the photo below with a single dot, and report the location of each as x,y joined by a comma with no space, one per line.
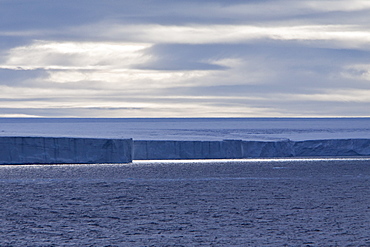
191,170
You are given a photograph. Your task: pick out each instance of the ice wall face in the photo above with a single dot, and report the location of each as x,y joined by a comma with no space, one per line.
349,147
48,150
45,150
236,149
256,149
153,150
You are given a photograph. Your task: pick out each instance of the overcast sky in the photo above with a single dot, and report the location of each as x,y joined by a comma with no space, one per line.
184,58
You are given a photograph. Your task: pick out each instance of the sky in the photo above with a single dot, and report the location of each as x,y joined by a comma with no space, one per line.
165,58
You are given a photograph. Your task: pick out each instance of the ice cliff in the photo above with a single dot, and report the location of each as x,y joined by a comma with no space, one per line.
337,147
238,149
47,150
152,150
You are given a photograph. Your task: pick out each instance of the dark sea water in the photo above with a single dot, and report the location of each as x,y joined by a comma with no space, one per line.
297,202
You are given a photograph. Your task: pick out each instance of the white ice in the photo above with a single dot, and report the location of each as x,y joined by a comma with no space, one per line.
187,138
191,129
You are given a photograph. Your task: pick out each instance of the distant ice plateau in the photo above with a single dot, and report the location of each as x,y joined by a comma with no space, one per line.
190,129
49,141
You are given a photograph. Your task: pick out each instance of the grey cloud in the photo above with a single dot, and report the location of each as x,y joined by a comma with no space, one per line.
67,112
183,57
28,14
294,53
54,15
293,63
8,42
355,17
16,78
317,108
70,20
283,68
23,99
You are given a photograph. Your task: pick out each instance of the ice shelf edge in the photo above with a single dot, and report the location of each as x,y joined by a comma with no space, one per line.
48,150
239,149
64,150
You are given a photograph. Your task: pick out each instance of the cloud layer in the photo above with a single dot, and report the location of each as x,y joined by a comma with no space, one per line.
184,58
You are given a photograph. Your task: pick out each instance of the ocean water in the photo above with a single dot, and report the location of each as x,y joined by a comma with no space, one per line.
190,128
269,202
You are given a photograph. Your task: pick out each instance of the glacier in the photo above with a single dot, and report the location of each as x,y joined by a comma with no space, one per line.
48,150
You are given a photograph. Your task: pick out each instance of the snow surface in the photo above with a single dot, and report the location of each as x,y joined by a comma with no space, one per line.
262,129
